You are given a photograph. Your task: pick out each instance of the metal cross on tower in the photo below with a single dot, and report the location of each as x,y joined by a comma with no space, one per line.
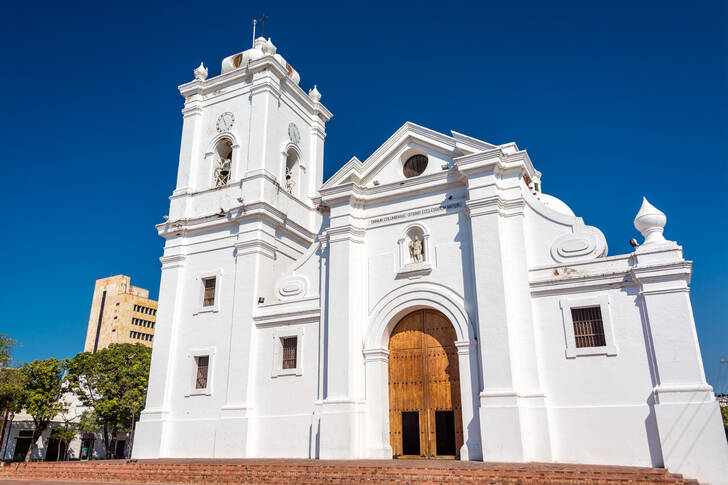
262,20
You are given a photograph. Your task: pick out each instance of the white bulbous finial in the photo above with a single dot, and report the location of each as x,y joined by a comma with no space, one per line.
314,94
650,221
200,72
268,48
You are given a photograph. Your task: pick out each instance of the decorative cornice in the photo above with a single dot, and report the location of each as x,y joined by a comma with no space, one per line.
376,355
496,205
255,246
288,317
173,261
465,347
215,86
346,233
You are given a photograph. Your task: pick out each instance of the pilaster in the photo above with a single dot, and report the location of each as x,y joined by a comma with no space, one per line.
376,362
151,430
342,407
687,414
233,437
513,418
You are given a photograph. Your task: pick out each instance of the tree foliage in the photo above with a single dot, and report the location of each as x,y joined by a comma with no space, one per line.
113,384
40,396
64,434
7,345
11,382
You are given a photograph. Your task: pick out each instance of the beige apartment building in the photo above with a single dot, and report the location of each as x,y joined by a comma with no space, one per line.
120,313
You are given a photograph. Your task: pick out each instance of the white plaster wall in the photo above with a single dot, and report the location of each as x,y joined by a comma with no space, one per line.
598,404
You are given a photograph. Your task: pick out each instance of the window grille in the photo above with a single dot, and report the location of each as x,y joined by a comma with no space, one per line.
203,363
209,297
290,345
588,327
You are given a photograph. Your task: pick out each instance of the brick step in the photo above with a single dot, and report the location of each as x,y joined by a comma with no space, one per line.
295,478
285,471
577,470
372,472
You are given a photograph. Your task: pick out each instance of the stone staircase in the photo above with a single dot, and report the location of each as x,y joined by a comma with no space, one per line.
281,471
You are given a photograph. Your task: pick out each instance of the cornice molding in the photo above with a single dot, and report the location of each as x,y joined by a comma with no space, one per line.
287,317
346,233
215,86
173,261
255,246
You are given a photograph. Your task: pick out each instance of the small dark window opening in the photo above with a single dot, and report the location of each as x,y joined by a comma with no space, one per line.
203,362
588,327
415,165
290,345
411,433
209,297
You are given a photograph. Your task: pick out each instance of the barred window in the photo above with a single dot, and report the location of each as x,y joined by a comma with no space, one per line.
290,345
209,295
588,327
203,362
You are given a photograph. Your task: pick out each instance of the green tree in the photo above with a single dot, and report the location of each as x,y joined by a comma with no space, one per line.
7,345
113,384
41,395
64,434
11,382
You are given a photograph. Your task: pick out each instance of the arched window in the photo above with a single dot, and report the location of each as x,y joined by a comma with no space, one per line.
291,175
223,162
415,165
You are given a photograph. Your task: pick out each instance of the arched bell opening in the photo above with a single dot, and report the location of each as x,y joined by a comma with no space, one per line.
223,162
425,411
291,172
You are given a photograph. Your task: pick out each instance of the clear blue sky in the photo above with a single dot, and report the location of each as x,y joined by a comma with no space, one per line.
613,101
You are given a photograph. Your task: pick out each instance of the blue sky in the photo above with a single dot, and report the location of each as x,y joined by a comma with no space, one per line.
613,101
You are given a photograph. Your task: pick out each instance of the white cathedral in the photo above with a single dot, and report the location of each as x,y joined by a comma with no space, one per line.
430,301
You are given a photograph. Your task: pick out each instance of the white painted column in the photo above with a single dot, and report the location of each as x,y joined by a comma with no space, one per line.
234,437
513,417
343,405
377,396
469,383
149,434
189,145
688,417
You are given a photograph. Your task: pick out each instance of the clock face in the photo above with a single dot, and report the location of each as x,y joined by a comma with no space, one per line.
293,133
225,121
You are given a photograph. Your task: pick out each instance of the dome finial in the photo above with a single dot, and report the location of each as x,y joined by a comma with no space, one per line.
314,94
650,221
200,72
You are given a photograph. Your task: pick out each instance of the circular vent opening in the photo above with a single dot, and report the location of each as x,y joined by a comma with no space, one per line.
415,165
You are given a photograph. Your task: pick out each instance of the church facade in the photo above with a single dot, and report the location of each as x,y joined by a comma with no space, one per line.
430,301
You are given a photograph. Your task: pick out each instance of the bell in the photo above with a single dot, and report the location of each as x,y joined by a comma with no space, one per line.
225,169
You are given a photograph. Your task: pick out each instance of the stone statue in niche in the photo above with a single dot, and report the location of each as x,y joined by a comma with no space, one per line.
415,249
290,183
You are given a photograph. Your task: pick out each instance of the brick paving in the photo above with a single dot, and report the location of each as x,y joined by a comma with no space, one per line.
299,471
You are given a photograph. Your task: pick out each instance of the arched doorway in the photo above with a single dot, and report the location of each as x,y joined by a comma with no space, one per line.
425,416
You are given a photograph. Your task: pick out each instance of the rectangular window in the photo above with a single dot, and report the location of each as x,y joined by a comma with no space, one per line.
203,362
290,345
588,327
208,298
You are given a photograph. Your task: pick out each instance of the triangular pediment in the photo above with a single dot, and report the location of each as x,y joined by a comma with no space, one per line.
385,165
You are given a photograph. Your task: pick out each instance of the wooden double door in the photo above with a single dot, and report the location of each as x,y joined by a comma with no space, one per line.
425,416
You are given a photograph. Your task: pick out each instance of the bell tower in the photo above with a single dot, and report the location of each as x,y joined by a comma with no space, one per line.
251,161
251,122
